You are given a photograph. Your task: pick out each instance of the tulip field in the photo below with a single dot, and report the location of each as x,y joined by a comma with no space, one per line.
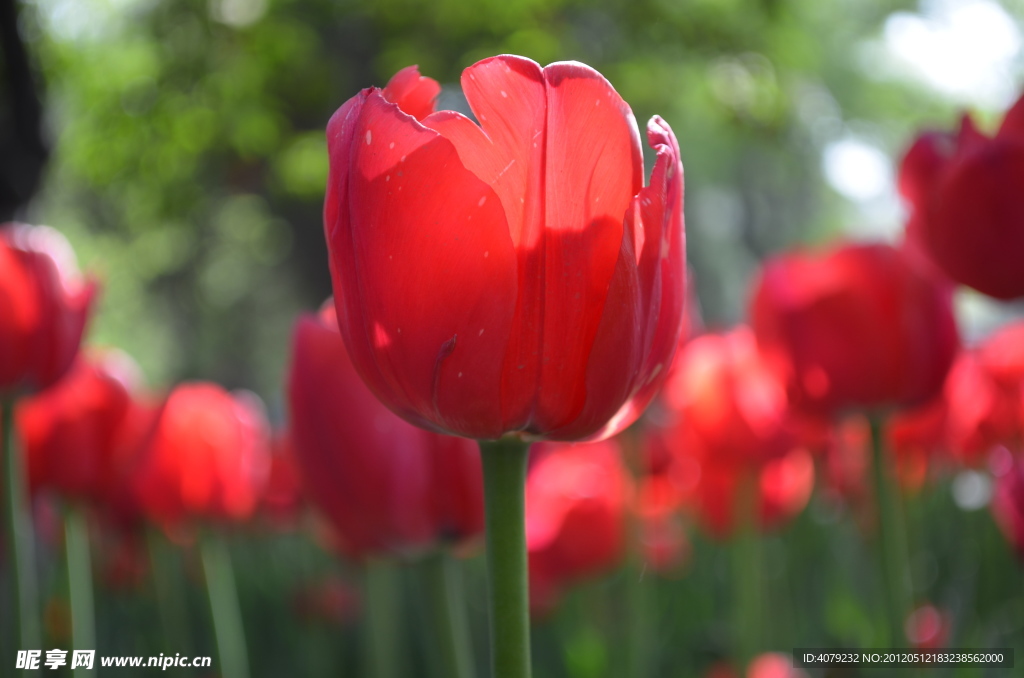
552,340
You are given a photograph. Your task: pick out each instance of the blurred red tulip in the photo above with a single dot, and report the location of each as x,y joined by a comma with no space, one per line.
782,489
1008,499
916,437
385,485
1002,356
526,280
728,406
330,600
208,458
858,327
964,192
282,496
123,558
576,500
846,461
83,435
927,628
774,665
43,308
663,541
981,414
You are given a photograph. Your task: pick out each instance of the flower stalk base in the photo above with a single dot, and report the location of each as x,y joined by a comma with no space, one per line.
504,466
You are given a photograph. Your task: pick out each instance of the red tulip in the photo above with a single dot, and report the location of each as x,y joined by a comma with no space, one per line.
964,192
208,458
663,541
385,485
927,628
1008,499
782,487
282,496
82,435
43,308
916,437
981,414
729,407
846,461
858,327
774,665
331,601
514,276
1002,356
576,499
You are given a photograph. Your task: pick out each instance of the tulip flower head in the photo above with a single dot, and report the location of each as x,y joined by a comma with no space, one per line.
780,490
928,628
44,305
576,501
728,406
83,435
386,487
1008,499
208,459
859,327
964,192
513,276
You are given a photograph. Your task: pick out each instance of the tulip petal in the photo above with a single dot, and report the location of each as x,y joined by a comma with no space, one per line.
593,168
413,93
426,304
654,225
362,465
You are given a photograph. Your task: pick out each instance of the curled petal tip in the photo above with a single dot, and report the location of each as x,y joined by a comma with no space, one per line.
415,94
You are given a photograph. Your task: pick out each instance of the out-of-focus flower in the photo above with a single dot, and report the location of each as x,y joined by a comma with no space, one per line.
774,665
980,413
662,537
927,628
511,276
122,557
964,191
386,486
208,458
1008,499
781,489
282,496
846,462
576,501
83,435
916,437
728,406
861,326
44,305
330,600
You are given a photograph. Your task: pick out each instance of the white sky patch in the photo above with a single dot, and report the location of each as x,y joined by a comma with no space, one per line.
972,490
863,174
85,20
858,170
965,49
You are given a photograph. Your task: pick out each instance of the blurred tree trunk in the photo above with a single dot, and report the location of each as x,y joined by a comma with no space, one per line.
23,152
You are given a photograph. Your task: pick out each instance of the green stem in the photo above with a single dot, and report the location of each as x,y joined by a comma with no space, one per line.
227,615
76,539
24,588
746,551
891,540
504,464
639,629
383,612
168,584
449,610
